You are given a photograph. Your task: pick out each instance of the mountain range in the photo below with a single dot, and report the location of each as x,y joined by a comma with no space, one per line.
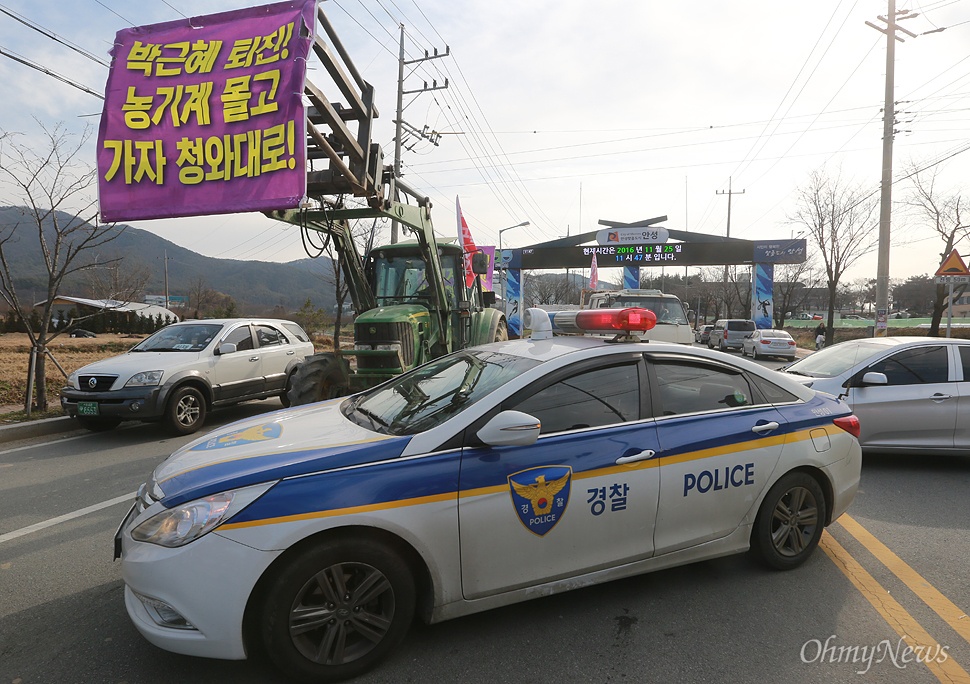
256,287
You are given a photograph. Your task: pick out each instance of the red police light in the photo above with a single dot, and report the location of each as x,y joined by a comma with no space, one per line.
619,320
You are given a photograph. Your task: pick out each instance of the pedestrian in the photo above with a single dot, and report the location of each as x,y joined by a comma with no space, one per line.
819,336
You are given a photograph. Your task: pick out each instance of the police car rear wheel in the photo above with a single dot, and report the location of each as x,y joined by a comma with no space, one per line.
790,522
336,610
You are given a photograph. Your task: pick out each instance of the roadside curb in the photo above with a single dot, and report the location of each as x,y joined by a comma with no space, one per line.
36,428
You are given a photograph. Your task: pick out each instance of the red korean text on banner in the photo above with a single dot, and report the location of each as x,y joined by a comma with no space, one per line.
205,115
467,245
594,276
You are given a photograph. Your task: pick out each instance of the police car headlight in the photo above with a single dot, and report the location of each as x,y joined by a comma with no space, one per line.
145,379
183,524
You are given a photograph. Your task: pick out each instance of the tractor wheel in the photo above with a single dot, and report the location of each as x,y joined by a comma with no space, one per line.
501,332
318,378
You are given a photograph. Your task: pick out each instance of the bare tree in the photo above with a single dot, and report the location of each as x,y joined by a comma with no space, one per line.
201,297
949,218
546,288
839,219
54,187
364,235
118,283
792,282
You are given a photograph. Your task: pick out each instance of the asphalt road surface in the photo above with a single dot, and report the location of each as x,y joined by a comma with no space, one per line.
894,566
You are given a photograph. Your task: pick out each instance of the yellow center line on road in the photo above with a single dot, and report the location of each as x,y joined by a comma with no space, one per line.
943,666
930,595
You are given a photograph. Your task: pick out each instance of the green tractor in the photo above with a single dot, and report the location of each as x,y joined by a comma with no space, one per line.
410,298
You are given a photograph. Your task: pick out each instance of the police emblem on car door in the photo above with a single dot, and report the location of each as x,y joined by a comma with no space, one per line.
540,496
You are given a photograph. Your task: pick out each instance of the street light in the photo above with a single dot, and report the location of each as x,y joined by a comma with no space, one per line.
517,225
502,272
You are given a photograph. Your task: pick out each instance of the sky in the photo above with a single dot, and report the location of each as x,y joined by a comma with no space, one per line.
563,113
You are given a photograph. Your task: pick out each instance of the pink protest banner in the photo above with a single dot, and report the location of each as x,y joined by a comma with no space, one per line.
205,115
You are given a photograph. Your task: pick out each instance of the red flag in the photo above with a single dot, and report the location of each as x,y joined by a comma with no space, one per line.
594,279
467,245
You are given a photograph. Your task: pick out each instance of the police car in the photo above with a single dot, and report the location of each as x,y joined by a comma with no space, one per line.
489,476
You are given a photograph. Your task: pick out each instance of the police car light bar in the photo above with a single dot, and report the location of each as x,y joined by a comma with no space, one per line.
609,320
600,320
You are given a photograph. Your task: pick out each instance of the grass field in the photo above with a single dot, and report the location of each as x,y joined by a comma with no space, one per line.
70,353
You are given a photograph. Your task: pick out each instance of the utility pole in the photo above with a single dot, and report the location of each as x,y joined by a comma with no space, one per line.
399,122
885,198
728,193
166,278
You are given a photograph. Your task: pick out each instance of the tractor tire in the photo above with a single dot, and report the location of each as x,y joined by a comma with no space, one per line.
501,332
320,377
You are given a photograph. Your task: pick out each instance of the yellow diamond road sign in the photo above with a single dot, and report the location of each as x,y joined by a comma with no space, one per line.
953,266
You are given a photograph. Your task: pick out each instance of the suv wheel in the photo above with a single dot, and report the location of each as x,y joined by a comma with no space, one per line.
186,411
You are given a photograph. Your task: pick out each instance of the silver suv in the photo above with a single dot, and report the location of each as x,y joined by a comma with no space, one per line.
728,333
180,372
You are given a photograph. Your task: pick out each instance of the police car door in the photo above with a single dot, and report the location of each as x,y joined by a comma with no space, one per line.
582,498
720,443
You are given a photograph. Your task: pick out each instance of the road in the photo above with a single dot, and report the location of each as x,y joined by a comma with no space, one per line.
894,565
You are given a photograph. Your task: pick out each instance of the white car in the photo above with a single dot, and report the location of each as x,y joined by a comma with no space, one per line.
486,477
181,371
768,342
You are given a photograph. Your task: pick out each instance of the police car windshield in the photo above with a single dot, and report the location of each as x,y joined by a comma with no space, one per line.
433,393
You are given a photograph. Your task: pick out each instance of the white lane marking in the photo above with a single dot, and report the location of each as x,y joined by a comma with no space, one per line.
43,444
67,516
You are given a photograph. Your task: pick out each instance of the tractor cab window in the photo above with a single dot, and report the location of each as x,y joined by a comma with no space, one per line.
402,280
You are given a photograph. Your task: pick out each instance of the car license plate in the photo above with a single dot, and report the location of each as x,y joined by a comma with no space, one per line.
87,408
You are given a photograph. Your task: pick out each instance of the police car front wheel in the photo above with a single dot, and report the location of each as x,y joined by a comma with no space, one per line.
336,610
790,522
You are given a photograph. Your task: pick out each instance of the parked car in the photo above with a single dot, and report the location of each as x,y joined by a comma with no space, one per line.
910,393
180,372
729,332
703,334
486,477
769,342
80,332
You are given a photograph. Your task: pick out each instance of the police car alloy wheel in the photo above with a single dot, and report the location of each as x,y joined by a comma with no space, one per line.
790,522
335,609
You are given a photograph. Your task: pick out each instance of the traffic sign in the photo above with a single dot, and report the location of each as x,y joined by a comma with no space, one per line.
955,279
953,266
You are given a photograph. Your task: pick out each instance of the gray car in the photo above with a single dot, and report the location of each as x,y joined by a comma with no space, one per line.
911,394
729,332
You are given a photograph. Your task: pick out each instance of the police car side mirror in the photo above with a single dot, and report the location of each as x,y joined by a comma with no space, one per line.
510,428
226,348
874,378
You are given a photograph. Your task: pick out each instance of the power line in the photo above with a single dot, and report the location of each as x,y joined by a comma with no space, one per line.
53,36
44,70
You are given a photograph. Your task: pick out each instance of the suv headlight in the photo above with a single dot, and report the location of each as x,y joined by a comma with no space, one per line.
145,379
183,524
72,380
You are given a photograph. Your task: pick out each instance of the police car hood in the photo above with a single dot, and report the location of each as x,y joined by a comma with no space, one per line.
270,447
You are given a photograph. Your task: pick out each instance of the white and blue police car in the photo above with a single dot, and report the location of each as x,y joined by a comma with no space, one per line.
489,476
